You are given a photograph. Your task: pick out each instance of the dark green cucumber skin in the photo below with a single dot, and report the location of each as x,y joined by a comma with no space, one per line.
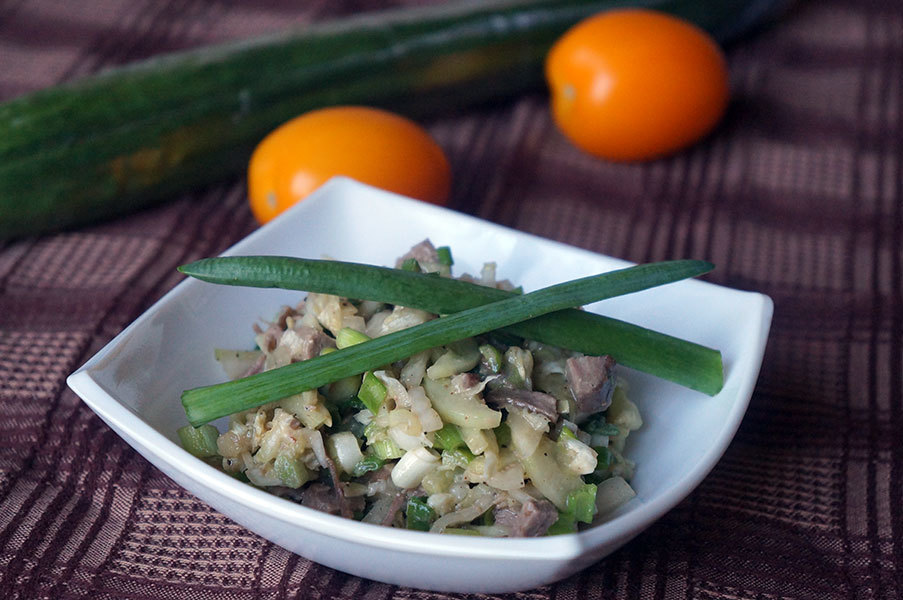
122,139
685,363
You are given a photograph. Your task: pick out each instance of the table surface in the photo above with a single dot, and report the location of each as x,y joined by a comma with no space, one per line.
798,194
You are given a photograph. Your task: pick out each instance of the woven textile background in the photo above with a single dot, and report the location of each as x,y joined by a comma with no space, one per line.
799,194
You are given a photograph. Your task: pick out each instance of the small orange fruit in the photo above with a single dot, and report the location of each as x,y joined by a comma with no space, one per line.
370,145
635,84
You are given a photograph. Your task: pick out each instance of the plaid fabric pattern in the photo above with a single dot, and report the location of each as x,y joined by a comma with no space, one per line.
798,194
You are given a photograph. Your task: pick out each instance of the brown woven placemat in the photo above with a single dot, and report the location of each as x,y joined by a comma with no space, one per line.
799,195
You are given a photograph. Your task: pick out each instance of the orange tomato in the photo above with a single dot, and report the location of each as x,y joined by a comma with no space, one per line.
634,84
370,145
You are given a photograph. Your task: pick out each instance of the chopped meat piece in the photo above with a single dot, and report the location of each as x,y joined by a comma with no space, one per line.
308,342
295,495
344,506
270,337
320,496
282,318
398,503
257,367
538,402
532,519
381,474
591,383
465,383
424,253
356,504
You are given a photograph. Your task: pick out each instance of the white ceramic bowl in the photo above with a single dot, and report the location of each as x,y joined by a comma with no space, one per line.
134,384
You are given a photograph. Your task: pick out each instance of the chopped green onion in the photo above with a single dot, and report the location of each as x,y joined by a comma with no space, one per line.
386,449
580,506
418,514
503,434
680,361
604,458
348,337
200,441
517,366
370,462
604,461
459,457
566,523
353,425
445,256
207,403
582,503
372,392
491,358
437,481
374,432
597,425
291,471
567,433
448,438
411,265
353,404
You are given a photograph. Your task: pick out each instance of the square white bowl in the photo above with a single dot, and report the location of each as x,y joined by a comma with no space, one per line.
134,384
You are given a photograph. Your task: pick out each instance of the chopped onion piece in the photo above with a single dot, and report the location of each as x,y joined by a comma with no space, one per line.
380,510
423,408
395,391
403,317
443,503
344,450
413,371
259,475
577,456
315,441
406,441
410,468
612,493
236,363
525,436
465,515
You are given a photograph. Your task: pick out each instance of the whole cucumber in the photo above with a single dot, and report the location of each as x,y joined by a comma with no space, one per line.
127,137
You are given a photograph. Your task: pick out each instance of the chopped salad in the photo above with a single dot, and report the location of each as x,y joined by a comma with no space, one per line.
492,435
